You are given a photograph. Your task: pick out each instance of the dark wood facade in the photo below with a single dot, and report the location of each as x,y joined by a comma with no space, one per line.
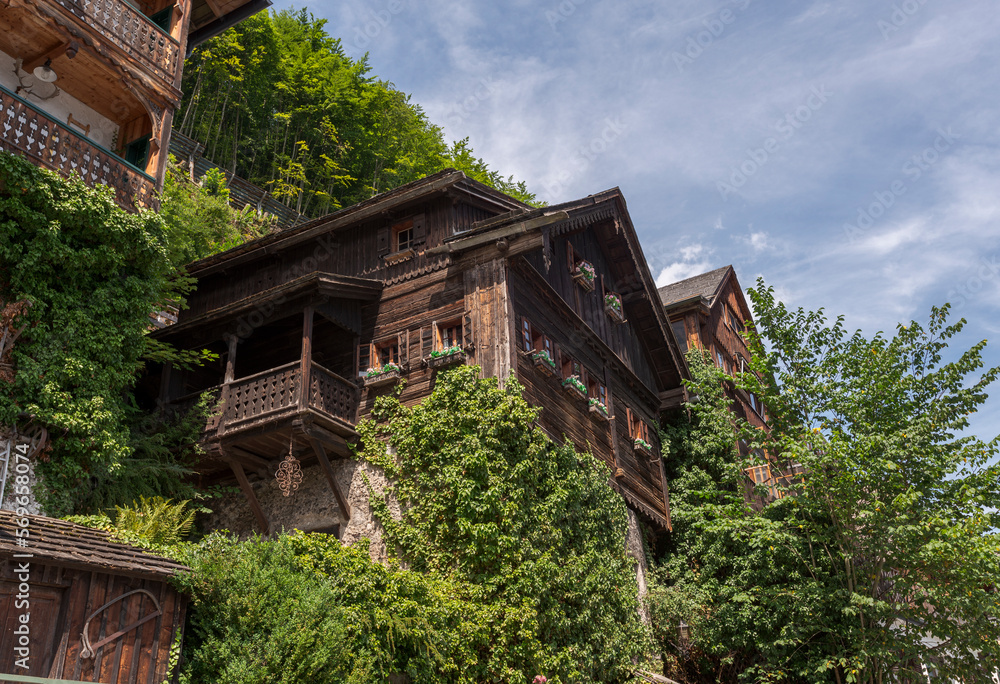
441,271
710,312
97,610
118,67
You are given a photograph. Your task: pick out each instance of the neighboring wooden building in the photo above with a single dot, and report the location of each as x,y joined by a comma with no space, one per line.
710,312
313,323
90,86
97,610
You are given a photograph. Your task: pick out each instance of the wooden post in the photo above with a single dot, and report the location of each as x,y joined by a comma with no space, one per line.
258,512
233,340
666,492
306,360
165,384
317,447
611,417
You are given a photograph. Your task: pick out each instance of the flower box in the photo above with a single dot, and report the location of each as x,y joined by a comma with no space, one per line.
544,362
599,410
613,307
585,275
643,447
386,375
446,357
573,385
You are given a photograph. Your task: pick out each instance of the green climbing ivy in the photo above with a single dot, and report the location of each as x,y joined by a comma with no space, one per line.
88,275
489,500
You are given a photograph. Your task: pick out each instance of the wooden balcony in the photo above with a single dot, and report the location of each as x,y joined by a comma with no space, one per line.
131,32
272,399
27,130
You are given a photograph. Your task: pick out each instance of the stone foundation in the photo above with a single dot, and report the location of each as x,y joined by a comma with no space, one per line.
312,507
635,548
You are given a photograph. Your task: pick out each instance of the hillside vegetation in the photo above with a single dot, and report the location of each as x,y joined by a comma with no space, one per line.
276,101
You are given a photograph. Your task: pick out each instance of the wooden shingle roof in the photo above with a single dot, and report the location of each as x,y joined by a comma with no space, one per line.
71,545
705,285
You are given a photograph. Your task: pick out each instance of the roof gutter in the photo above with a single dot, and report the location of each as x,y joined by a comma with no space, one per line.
513,230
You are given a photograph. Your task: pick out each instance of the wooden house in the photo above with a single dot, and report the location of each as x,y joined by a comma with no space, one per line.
90,86
710,312
76,606
315,322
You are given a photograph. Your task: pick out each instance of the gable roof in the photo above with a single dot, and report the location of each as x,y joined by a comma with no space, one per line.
608,210
706,285
447,181
71,545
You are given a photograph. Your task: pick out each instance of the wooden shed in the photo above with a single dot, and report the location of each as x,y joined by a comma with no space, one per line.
78,606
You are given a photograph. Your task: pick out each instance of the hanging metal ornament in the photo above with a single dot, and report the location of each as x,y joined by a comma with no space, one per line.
289,475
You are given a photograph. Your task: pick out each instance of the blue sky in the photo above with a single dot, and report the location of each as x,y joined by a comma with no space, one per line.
847,152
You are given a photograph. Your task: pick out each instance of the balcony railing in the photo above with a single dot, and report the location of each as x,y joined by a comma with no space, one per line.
132,31
273,395
33,133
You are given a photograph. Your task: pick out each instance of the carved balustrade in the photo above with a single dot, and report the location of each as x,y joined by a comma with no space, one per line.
329,393
132,32
275,393
257,397
29,131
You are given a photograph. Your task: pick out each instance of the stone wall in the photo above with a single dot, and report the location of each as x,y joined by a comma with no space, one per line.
310,508
636,549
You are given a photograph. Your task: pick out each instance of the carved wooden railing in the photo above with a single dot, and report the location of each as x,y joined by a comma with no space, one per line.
259,396
329,393
272,394
31,132
132,31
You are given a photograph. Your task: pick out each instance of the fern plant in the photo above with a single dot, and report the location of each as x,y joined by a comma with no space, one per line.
156,520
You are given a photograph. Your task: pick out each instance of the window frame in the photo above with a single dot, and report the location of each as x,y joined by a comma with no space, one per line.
456,324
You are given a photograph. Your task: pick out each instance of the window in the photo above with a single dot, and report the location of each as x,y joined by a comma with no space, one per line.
386,352
720,362
162,18
571,366
637,427
137,152
595,390
402,236
448,335
533,340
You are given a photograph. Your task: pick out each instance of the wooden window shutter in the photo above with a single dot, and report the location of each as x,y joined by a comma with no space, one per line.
426,341
628,418
403,351
383,240
570,260
364,357
419,230
467,338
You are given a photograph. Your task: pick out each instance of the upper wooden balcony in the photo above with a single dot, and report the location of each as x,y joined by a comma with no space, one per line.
26,129
141,38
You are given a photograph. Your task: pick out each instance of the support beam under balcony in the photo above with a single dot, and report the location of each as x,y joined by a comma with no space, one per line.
331,478
258,512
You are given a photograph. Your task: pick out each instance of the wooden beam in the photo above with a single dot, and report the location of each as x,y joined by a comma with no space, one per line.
305,359
330,477
674,398
253,459
666,492
258,512
214,6
233,341
38,60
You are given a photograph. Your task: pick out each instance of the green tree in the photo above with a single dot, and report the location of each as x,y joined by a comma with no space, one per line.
884,547
277,101
487,499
